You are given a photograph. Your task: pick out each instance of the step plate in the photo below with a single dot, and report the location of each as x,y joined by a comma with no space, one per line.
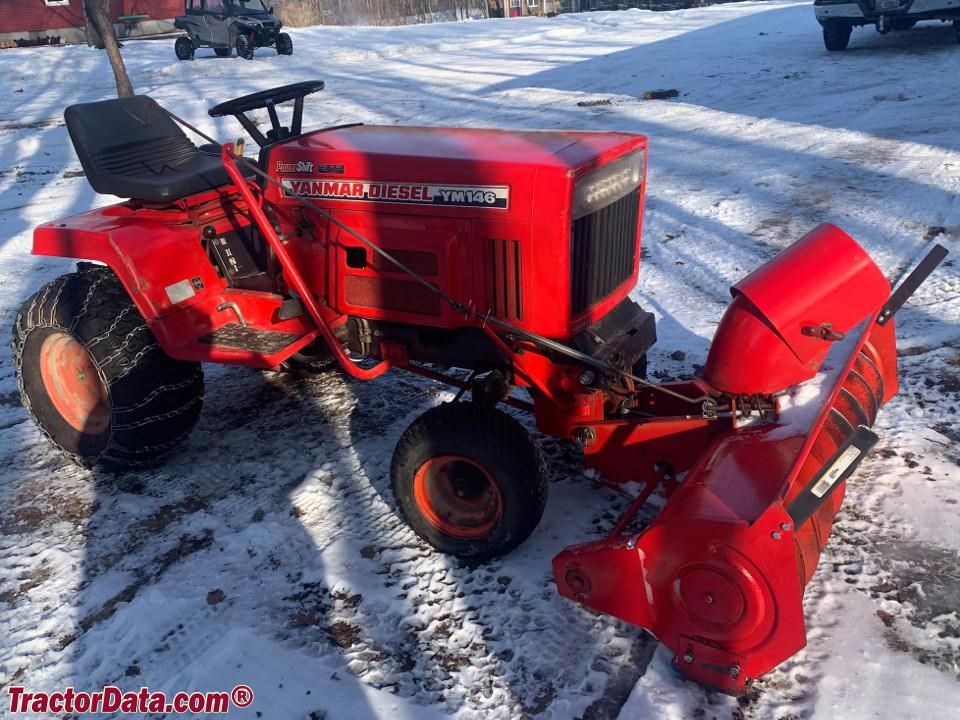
250,339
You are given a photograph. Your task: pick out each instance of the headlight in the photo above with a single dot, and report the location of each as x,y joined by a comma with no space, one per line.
607,184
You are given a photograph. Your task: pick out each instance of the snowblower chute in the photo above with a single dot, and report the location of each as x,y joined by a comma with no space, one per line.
510,255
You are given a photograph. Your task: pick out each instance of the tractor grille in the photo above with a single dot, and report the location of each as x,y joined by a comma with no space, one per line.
603,251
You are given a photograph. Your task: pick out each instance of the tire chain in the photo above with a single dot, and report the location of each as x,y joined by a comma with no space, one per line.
104,292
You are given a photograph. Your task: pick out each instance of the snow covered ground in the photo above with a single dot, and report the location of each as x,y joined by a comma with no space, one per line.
267,552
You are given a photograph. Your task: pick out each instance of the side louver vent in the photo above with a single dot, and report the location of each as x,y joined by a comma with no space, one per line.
502,277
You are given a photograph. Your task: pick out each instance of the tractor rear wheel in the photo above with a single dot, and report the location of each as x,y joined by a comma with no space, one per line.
469,480
183,47
93,377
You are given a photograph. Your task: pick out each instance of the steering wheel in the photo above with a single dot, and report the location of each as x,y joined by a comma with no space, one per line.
264,98
269,99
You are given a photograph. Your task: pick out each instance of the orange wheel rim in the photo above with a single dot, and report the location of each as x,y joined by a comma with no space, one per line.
458,497
73,384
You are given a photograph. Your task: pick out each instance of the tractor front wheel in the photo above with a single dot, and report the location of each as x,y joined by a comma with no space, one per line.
469,480
93,377
284,44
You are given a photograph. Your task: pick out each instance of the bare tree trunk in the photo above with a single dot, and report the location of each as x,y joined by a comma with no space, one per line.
97,13
90,29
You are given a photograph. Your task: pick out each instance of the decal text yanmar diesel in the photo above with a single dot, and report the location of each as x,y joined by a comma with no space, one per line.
488,196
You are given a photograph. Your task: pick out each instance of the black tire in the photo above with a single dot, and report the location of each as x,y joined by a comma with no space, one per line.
244,47
184,48
284,44
223,52
93,377
836,34
314,358
469,480
956,29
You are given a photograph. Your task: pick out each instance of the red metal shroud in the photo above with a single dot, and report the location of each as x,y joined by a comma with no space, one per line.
824,281
718,576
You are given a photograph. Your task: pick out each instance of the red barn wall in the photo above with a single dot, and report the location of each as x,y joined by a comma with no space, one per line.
36,16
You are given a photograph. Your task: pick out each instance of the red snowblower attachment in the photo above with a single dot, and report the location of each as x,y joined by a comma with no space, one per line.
511,256
718,576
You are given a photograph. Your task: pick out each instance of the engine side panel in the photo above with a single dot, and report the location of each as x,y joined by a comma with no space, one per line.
501,199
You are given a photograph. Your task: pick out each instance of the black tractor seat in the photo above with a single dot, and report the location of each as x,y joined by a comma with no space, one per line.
130,148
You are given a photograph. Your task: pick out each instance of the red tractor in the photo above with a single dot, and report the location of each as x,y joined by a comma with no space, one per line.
509,255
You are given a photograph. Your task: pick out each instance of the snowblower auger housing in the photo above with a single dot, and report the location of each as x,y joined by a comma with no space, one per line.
510,255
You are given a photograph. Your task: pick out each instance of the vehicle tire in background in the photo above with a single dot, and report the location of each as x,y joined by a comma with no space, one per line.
284,44
223,52
93,377
184,48
244,47
836,34
469,480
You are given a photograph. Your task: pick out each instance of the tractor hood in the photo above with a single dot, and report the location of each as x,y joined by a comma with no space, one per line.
473,170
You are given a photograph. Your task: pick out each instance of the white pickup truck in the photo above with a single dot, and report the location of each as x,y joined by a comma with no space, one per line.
839,17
